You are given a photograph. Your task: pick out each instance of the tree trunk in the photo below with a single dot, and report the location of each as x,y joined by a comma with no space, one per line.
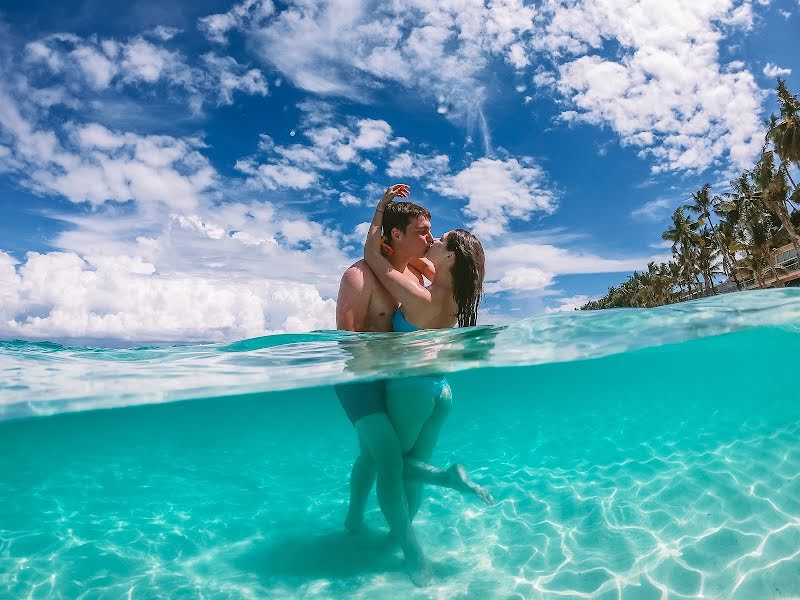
725,259
736,279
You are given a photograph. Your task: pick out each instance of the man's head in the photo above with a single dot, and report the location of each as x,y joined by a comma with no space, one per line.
408,228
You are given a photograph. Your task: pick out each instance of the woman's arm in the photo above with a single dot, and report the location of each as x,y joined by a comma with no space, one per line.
401,287
424,266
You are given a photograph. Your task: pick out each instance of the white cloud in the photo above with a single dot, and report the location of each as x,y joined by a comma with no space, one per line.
231,77
144,61
90,163
234,269
667,93
569,303
771,70
654,210
247,241
164,33
62,295
216,27
661,245
498,191
218,272
331,147
414,165
520,279
372,134
96,67
349,200
532,265
104,63
349,47
273,177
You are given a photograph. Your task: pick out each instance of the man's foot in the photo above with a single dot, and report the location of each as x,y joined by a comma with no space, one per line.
354,525
459,480
392,538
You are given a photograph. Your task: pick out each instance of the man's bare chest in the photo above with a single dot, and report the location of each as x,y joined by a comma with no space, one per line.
381,309
383,305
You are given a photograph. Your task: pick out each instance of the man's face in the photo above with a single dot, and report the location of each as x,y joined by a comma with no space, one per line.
417,238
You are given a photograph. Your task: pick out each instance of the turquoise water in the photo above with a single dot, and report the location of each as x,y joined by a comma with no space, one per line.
632,454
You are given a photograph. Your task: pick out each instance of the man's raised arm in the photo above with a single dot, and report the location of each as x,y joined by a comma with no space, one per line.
353,300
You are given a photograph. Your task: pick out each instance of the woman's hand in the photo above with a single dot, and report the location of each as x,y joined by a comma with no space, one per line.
375,241
398,190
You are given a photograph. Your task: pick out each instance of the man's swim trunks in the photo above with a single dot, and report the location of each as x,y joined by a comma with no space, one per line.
362,398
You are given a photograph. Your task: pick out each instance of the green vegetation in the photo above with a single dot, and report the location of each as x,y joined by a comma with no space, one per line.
733,234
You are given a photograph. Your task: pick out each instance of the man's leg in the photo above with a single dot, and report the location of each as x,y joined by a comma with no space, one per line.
379,437
362,478
358,400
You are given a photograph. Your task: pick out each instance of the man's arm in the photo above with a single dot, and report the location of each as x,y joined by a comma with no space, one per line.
353,300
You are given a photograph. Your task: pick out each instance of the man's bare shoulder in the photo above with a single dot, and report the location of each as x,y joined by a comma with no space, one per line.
359,276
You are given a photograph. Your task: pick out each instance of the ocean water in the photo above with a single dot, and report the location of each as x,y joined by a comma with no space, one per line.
634,454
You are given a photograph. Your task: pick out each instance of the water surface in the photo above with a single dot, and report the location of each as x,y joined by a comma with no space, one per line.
633,454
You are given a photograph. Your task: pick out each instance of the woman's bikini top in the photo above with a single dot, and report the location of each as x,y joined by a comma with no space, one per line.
399,323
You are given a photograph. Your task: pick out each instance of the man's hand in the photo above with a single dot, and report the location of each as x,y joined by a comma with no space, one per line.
398,190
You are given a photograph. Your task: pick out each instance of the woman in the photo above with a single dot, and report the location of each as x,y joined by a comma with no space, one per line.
456,262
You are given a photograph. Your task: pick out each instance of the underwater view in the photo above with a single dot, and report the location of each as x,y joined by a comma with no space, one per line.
633,454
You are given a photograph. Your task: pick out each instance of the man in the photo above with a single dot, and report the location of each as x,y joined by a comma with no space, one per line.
365,305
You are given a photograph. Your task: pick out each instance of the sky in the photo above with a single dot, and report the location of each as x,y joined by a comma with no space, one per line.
205,171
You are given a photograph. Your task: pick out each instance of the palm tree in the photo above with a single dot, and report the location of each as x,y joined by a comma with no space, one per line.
707,254
758,229
773,191
784,133
685,245
730,246
702,204
686,258
752,219
682,231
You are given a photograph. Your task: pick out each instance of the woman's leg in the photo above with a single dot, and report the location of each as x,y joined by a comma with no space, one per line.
417,408
410,403
379,438
455,477
422,450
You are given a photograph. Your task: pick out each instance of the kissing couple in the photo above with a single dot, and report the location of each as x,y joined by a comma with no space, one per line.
398,421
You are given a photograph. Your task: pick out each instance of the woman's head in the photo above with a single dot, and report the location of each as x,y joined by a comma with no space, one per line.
462,253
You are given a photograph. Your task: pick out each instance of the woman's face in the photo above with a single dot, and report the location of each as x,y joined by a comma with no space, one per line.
438,252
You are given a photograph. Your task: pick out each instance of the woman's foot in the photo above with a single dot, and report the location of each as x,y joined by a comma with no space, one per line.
459,480
418,569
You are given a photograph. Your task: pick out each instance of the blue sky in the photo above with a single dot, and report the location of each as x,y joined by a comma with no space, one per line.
205,170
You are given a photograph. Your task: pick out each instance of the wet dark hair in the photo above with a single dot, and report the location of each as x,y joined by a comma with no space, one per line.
400,215
468,271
